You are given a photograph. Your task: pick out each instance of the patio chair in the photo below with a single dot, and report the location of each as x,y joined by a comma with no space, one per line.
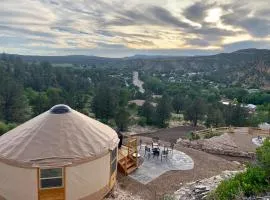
164,154
140,141
156,152
170,150
155,142
147,152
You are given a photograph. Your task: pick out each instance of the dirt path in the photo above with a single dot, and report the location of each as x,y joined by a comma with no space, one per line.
137,82
171,134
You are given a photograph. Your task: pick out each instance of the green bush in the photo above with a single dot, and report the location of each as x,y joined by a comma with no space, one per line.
228,189
253,181
3,128
263,155
142,121
193,136
168,197
211,134
6,127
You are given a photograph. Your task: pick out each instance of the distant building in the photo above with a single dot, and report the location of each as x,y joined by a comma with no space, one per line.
253,90
225,102
140,102
156,96
264,126
251,107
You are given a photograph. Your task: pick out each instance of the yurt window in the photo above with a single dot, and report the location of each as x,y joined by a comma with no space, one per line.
113,160
51,178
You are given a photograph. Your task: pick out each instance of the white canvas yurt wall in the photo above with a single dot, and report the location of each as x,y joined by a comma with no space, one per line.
83,150
17,183
88,180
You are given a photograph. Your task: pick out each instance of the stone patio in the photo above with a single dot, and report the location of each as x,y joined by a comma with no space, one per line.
153,167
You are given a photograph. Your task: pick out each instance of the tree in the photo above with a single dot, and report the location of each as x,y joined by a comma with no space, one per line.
148,111
239,116
163,111
104,103
178,103
40,103
54,96
214,117
124,96
195,111
154,84
122,119
14,104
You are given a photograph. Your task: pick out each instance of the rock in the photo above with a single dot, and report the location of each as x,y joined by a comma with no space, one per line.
199,189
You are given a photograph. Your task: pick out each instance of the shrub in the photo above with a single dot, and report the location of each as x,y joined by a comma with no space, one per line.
263,155
142,121
168,197
253,181
3,128
211,134
193,136
6,127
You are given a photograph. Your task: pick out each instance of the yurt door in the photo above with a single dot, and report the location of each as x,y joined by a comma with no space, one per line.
51,184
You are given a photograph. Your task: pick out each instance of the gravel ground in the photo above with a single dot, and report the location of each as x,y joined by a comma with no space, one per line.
171,134
120,194
206,165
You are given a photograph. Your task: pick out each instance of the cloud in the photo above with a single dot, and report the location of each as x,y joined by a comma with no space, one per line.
118,27
198,42
256,26
255,22
197,11
153,15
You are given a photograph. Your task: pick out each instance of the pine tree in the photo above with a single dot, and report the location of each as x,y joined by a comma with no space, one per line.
163,111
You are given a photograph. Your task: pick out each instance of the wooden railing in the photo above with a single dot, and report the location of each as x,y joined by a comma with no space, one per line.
217,131
256,130
123,157
128,155
230,129
132,149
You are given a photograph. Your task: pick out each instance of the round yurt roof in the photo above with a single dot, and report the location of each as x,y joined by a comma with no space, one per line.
58,137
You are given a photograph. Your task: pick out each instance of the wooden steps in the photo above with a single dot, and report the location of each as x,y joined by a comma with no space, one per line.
127,163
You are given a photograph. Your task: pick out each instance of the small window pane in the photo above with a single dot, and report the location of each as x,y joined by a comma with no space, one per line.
51,183
113,166
113,154
47,173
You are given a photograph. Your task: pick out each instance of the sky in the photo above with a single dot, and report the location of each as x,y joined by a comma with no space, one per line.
119,28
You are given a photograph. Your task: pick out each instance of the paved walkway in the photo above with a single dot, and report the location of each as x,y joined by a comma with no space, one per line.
153,167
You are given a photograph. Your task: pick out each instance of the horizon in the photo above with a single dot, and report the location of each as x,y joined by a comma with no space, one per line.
134,55
118,28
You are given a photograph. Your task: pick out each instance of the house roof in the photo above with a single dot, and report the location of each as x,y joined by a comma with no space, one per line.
58,137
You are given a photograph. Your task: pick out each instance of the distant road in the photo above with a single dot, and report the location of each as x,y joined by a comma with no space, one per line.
137,82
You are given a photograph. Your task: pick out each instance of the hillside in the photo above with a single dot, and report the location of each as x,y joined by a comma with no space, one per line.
247,67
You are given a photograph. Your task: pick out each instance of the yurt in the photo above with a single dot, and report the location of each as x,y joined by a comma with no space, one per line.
58,155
